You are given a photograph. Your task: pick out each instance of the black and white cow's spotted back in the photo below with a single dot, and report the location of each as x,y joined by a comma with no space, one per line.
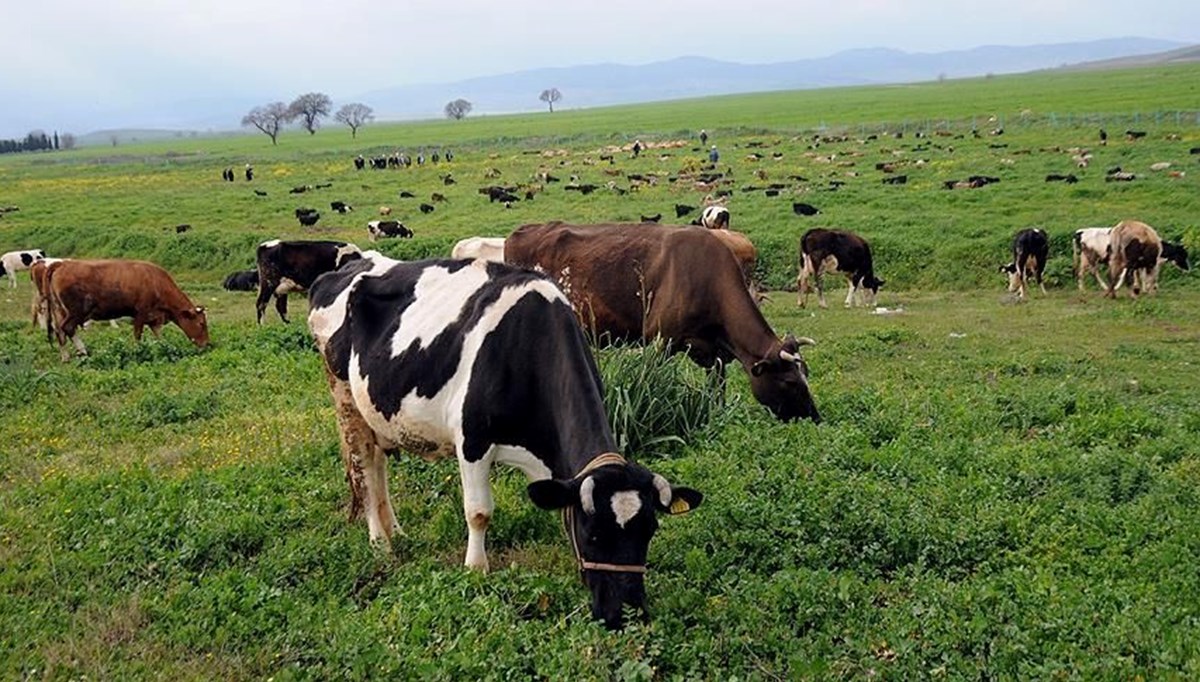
434,347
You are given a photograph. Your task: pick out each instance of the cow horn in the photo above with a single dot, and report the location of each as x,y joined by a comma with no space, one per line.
806,341
585,495
790,357
664,490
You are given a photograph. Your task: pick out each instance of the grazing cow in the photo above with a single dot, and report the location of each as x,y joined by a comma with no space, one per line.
341,206
242,280
15,261
1120,176
1070,178
1133,258
426,208
385,210
388,228
260,193
359,162
284,267
82,290
652,218
1134,134
438,197
182,227
822,250
486,362
1030,248
1089,251
638,282
307,216
487,248
714,218
896,180
801,208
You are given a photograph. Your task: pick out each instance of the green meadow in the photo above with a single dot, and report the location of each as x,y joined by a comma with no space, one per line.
999,489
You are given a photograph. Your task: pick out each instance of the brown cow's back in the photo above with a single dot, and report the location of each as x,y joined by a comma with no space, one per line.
642,281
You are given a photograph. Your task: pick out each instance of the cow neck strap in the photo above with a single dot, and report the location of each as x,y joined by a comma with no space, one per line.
569,523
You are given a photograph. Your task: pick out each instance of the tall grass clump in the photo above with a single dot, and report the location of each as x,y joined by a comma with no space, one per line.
658,400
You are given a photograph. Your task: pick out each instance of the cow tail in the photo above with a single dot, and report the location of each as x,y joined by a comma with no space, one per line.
51,302
1075,250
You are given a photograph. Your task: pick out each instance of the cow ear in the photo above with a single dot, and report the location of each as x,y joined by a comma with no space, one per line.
552,494
684,500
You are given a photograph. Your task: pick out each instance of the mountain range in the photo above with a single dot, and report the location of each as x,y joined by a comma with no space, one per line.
608,84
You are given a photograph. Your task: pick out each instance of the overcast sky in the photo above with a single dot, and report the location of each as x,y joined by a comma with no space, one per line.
117,54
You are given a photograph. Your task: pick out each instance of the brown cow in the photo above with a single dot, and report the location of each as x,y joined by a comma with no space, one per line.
82,290
638,282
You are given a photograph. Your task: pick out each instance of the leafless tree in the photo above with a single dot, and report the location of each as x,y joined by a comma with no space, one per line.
550,96
269,118
310,108
354,115
458,109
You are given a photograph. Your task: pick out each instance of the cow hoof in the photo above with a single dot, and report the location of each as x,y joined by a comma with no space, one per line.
480,567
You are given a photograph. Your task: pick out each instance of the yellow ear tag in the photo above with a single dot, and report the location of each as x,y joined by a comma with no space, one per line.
680,505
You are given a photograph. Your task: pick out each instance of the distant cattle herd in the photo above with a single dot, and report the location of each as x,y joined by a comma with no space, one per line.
484,356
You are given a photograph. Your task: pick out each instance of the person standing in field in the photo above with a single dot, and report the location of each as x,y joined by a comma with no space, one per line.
713,155
703,137
637,148
249,173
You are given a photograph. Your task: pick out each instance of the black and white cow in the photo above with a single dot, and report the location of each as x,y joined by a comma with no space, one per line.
284,267
242,280
485,362
1030,248
823,250
388,228
15,261
341,206
714,218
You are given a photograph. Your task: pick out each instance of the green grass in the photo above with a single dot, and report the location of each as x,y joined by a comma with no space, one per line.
998,490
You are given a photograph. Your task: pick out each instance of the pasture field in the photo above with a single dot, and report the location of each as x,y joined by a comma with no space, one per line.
998,490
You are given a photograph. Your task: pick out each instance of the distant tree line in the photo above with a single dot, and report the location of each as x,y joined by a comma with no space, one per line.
37,141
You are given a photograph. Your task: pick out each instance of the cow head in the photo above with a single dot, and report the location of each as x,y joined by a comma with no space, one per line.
612,514
780,381
1177,254
1010,269
194,323
870,285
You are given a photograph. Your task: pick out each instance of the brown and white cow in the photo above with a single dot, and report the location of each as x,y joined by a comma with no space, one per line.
636,282
1133,258
1030,249
823,250
39,307
82,290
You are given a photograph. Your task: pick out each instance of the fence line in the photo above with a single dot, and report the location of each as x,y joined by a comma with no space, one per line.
1117,123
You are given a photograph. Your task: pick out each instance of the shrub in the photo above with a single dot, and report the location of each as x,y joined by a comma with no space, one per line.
657,399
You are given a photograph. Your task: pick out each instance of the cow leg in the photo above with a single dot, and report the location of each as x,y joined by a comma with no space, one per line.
802,281
264,295
281,307
477,508
1099,280
365,463
850,291
139,323
820,284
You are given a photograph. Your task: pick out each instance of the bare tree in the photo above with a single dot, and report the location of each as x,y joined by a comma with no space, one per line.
354,115
458,109
269,118
550,96
311,108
